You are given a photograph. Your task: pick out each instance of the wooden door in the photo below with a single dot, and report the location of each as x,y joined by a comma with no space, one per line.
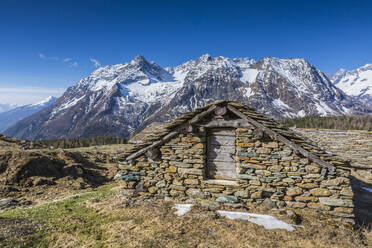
221,153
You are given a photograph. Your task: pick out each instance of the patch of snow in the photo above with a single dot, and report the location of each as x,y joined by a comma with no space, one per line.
249,75
66,105
267,221
248,92
323,109
301,113
182,208
279,103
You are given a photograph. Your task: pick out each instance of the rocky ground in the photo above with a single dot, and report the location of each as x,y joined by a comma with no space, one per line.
42,189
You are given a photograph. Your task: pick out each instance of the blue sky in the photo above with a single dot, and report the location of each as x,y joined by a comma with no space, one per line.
46,46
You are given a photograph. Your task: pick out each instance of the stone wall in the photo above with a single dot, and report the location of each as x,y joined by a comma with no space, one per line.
269,173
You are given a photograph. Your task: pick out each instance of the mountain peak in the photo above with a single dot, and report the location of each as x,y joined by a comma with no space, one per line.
138,60
205,57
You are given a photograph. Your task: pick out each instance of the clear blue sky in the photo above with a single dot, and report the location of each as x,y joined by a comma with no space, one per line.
47,46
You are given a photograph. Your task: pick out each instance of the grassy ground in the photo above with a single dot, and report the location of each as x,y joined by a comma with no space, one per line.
99,219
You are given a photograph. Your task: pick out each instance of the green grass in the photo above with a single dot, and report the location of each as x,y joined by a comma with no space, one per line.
66,216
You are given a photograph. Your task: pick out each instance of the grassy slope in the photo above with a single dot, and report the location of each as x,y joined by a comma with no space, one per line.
99,219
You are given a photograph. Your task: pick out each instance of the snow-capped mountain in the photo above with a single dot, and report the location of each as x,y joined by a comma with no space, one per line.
14,115
124,98
5,107
356,83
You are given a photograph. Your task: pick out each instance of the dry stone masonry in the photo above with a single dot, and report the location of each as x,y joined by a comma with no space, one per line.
270,165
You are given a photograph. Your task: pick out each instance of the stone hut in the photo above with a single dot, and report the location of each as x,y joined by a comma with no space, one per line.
227,153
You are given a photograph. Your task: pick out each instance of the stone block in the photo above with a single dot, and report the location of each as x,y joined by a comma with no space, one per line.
245,144
191,181
263,150
211,205
343,210
227,199
271,145
288,180
307,185
196,193
336,202
242,194
296,204
171,169
312,168
252,166
318,206
293,191
335,182
160,184
347,191
255,182
276,168
306,199
152,190
178,187
256,195
247,177
191,171
320,192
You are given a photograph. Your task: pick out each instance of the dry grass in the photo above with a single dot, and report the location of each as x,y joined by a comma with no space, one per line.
99,219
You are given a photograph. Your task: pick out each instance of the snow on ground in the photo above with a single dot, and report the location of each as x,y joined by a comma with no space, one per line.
357,82
152,92
249,75
267,221
182,208
279,103
301,113
323,109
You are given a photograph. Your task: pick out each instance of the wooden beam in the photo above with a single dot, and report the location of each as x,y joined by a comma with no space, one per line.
156,143
226,123
171,134
276,136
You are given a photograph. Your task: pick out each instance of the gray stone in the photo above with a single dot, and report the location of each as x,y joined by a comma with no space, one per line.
336,202
246,177
211,205
269,204
196,193
227,199
160,184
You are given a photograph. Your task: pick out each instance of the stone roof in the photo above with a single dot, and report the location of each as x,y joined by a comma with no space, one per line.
276,130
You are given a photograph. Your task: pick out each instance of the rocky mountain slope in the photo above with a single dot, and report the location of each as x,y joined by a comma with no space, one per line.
124,98
10,117
356,83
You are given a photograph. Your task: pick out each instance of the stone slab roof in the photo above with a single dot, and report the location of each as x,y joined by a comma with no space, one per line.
162,133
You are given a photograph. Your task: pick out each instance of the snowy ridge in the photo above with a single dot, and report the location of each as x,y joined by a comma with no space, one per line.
356,83
12,116
124,98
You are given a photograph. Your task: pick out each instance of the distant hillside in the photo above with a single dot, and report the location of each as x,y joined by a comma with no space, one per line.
83,142
332,122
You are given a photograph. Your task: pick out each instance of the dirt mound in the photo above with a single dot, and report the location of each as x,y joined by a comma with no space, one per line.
20,169
9,143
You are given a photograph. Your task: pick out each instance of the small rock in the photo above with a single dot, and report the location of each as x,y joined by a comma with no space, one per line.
227,199
211,205
269,204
